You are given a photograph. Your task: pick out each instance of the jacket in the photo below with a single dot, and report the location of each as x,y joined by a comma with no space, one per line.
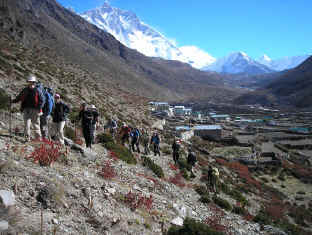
30,98
60,112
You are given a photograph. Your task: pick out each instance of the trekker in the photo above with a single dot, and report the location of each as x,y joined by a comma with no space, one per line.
175,151
31,106
125,134
135,137
87,123
47,110
113,128
145,141
59,115
191,160
209,178
155,140
215,179
95,122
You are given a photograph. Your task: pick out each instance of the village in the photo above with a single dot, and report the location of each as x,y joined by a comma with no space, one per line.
270,134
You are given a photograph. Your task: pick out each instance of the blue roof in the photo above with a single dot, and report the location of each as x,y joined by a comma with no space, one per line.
220,116
208,127
179,128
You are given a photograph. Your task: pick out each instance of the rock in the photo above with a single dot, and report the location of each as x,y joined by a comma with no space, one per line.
7,198
111,190
177,221
4,225
182,211
89,154
273,230
55,221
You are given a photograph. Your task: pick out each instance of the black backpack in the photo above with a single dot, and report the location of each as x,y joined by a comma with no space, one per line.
88,117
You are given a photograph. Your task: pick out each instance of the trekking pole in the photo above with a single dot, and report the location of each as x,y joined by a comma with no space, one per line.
10,116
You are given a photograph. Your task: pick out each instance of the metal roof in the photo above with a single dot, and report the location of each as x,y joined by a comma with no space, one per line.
208,127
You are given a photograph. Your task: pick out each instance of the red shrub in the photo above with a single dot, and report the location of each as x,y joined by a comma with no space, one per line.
78,141
47,153
214,221
113,156
222,162
137,200
107,171
173,167
155,181
276,209
177,179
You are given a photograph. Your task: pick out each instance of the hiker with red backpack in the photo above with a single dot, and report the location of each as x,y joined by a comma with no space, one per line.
59,116
32,101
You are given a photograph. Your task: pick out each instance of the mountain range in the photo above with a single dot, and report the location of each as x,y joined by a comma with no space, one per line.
126,27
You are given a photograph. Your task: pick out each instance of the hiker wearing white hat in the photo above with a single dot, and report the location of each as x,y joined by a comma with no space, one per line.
32,101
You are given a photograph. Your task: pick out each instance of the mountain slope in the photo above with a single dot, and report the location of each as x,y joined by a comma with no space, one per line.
282,63
126,27
292,87
46,25
237,62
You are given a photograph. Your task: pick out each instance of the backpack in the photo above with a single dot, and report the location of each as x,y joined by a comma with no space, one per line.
215,172
41,91
49,102
87,117
114,124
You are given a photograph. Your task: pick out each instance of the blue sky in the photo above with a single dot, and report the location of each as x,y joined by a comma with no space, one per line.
277,28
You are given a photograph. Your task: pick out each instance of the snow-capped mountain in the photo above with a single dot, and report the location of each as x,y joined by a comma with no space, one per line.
238,62
282,63
126,27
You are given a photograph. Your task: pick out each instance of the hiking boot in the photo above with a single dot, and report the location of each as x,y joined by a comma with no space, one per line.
27,139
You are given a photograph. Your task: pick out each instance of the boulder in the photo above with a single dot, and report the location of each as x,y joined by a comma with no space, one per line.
4,225
7,198
177,221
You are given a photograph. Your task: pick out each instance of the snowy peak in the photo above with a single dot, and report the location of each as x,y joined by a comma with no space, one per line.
282,63
126,27
238,62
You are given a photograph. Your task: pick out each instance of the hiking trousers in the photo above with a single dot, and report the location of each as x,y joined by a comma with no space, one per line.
44,125
58,131
156,149
175,156
31,116
146,148
88,134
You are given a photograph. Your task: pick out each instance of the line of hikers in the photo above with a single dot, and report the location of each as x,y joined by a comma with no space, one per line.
38,104
133,136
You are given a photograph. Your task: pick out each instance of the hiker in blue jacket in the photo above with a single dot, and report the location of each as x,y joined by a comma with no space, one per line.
47,110
155,140
135,137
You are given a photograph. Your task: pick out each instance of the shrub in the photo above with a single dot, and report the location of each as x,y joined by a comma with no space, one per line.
222,203
104,138
107,171
201,190
137,200
154,167
121,151
238,196
166,150
177,179
69,132
185,174
262,218
47,153
192,227
4,99
239,210
183,164
205,199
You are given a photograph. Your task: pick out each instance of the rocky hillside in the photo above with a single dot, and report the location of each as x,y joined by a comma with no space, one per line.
58,33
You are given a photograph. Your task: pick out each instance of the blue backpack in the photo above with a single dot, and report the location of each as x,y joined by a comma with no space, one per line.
49,103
